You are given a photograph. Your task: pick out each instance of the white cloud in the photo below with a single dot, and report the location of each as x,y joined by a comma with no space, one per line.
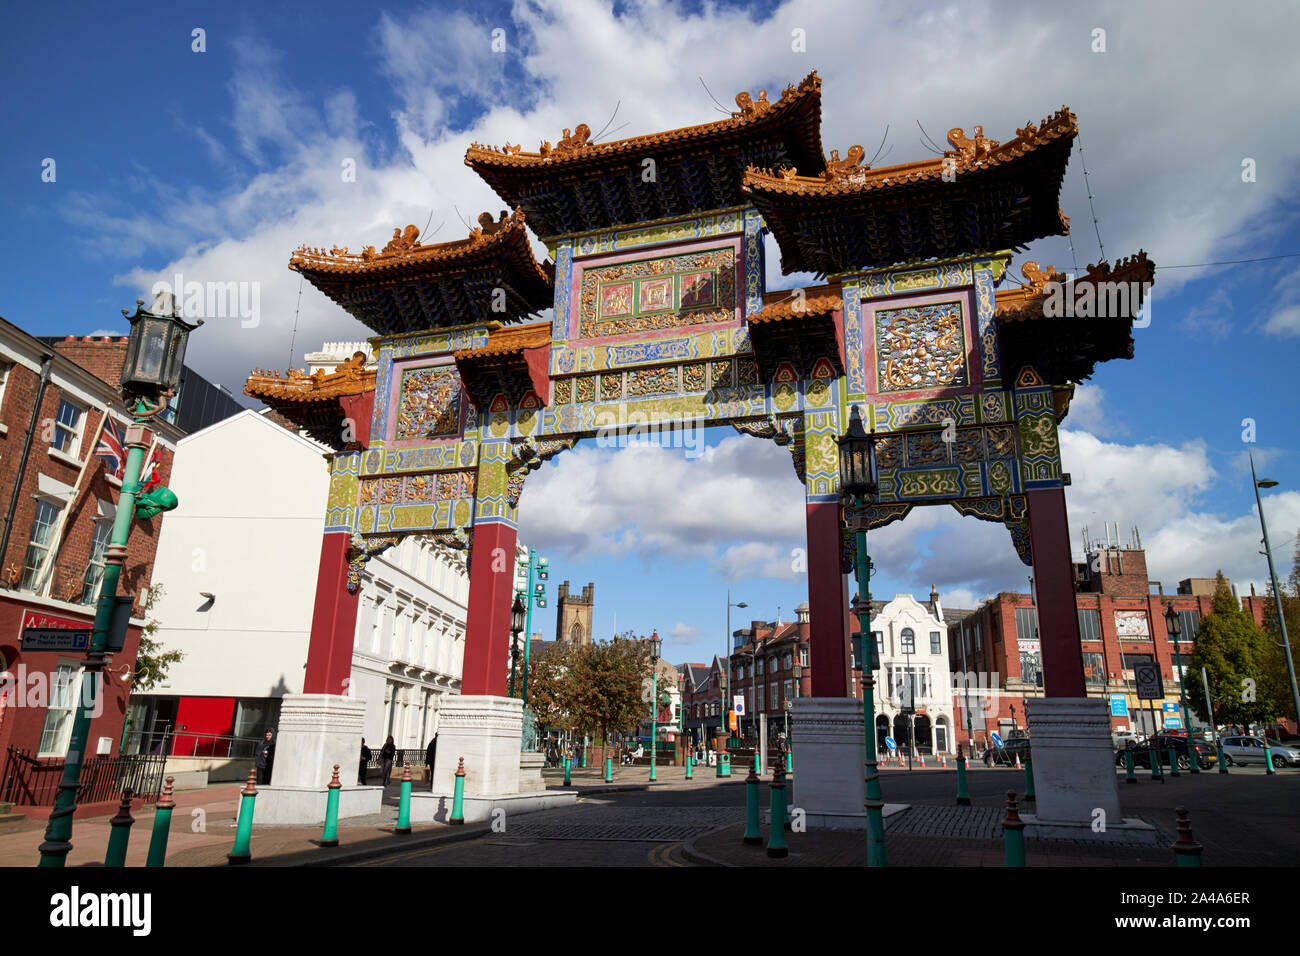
682,633
1089,413
1285,322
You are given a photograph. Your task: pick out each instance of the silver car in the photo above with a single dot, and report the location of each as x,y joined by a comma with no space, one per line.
1245,750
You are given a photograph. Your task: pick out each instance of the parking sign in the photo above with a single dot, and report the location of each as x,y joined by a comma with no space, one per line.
1149,685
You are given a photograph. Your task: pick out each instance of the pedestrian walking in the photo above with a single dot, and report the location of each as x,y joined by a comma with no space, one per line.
265,757
364,769
387,754
429,754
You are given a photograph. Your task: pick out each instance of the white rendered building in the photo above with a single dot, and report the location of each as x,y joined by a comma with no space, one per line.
912,642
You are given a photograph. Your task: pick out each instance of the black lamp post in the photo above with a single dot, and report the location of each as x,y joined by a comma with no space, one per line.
656,645
860,483
518,620
155,354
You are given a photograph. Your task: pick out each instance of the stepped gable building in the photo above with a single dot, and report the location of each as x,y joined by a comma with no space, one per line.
573,614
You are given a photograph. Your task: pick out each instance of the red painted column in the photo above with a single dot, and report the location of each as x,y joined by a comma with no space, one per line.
491,590
828,603
1058,620
333,621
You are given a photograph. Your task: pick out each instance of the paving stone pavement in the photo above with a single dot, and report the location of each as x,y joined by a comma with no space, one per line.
980,823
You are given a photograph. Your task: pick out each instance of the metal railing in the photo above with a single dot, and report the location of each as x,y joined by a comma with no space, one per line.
415,756
34,781
173,743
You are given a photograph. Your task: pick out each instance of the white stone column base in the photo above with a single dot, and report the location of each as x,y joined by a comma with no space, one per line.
530,772
498,809
828,784
1128,830
487,732
1074,763
316,732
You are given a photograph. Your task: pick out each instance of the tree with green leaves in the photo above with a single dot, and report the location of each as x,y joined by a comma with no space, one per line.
151,661
1239,660
550,686
606,685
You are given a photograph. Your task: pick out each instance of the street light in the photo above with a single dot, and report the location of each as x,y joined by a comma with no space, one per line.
655,646
155,354
1175,630
1277,591
518,620
722,723
859,481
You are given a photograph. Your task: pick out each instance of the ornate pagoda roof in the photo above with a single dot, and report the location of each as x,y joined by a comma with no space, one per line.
978,196
799,329
1067,347
512,362
409,286
311,401
578,186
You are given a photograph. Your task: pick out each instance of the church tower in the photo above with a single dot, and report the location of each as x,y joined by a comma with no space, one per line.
573,614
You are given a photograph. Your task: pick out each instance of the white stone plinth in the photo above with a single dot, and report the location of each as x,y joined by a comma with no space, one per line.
1074,762
530,772
486,732
316,732
829,761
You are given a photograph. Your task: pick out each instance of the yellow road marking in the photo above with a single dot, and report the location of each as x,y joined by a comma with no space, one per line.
414,853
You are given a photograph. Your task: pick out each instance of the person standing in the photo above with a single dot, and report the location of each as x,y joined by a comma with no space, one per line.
264,757
429,755
387,753
364,769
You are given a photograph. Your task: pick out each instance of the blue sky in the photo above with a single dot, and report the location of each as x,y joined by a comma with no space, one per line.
218,164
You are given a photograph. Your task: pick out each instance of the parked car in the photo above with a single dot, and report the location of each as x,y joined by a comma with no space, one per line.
1120,738
1205,755
1247,750
1006,754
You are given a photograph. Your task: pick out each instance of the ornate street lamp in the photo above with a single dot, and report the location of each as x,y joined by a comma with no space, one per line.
860,483
518,620
656,646
155,354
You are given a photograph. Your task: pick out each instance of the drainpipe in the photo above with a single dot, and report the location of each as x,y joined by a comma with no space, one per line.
46,367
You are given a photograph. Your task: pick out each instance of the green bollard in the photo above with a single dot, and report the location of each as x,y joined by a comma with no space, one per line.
162,826
1193,758
121,832
789,761
963,793
1186,849
1013,830
244,834
584,758
457,817
1130,770
1268,759
1218,754
758,767
567,781
753,835
609,769
404,803
330,836
1173,762
689,762
1029,781
1154,753
724,765
776,845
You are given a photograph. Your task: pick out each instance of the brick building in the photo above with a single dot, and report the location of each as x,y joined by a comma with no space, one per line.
59,501
996,652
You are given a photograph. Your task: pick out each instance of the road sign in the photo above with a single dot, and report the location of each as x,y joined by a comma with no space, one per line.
891,743
1173,722
55,639
1170,707
1149,684
1118,705
738,704
996,738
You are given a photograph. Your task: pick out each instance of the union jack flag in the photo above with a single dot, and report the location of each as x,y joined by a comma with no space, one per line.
112,449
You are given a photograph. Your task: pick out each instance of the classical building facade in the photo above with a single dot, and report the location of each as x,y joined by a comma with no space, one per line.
913,691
